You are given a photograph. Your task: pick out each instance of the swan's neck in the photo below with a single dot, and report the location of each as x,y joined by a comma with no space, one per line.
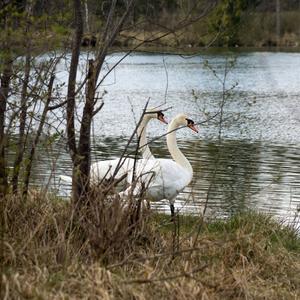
175,152
142,133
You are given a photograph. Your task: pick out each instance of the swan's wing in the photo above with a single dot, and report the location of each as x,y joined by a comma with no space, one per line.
162,178
169,181
105,169
102,169
64,178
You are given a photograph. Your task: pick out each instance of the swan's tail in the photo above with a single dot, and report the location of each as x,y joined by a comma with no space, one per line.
64,178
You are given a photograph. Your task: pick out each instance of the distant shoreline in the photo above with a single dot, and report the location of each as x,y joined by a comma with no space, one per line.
203,50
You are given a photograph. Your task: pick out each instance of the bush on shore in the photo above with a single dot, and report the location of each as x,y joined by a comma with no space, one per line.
111,253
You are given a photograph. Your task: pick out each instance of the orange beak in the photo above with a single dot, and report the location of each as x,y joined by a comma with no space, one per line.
162,119
193,127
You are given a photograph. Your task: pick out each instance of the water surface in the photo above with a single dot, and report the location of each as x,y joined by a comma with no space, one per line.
255,163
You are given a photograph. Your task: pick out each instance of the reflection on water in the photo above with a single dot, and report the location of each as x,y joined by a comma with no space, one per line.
257,164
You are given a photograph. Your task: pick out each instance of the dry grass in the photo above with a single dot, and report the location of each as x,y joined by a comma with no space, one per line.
111,254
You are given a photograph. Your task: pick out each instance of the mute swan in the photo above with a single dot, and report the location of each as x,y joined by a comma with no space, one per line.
105,169
164,178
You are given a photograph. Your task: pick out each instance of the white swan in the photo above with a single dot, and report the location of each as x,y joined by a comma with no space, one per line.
164,178
105,170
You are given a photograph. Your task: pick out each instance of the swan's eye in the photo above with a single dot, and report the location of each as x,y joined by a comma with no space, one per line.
191,125
190,122
161,117
160,114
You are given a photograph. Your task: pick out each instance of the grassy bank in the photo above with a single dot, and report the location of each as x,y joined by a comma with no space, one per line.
109,254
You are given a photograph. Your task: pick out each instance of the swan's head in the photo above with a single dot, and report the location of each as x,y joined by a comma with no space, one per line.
183,120
153,113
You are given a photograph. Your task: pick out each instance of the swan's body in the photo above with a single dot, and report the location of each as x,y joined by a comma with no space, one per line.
161,179
102,171
164,178
105,170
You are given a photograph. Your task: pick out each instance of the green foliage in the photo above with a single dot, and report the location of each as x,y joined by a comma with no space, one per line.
227,18
59,29
38,28
155,7
142,8
53,138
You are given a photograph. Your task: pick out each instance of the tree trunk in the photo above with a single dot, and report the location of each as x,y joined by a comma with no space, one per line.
37,138
82,168
86,10
4,90
278,25
23,114
81,158
72,79
77,187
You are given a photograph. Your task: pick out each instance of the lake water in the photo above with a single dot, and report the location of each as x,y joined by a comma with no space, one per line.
254,163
